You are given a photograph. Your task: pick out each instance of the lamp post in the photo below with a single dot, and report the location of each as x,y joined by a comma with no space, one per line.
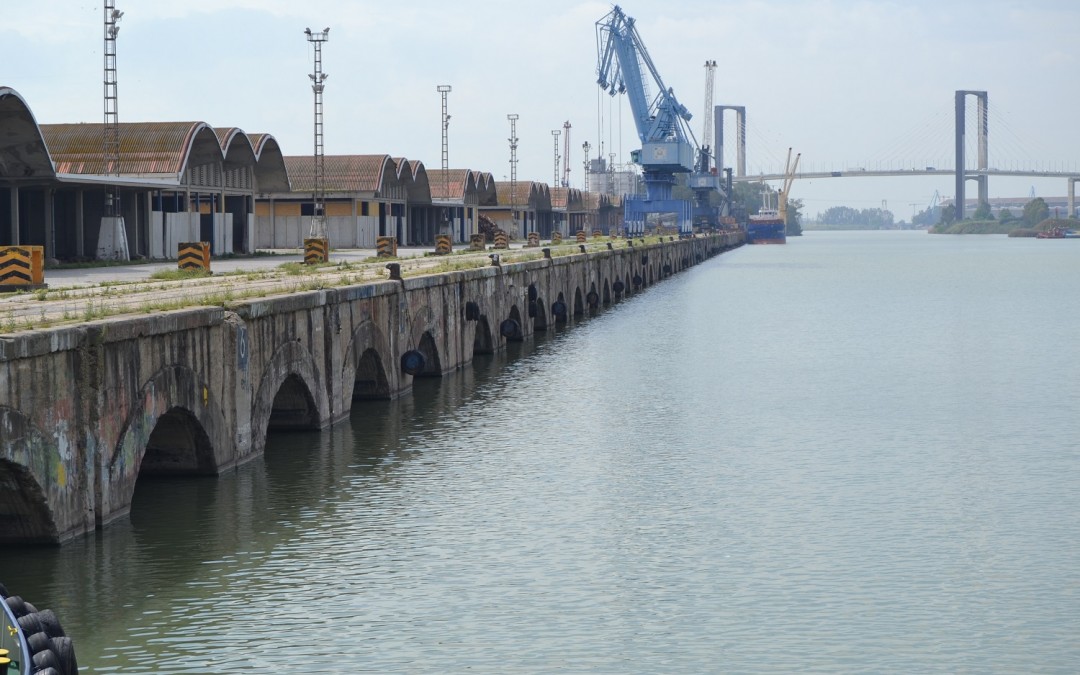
586,147
513,117
112,236
318,84
555,133
443,90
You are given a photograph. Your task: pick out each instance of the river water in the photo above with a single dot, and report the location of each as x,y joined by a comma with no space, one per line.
854,453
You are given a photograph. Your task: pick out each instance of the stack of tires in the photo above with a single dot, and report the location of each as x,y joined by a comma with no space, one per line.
34,640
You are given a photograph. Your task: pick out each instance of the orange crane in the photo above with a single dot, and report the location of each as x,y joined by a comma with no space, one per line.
789,177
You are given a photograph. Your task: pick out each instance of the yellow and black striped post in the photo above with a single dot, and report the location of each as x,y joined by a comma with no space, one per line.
533,240
501,240
443,244
581,237
193,255
22,267
597,234
476,242
556,237
386,247
316,250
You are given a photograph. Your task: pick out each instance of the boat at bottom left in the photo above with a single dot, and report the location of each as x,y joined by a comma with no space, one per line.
32,641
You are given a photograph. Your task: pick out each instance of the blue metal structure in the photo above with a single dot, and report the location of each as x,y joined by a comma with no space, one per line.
667,147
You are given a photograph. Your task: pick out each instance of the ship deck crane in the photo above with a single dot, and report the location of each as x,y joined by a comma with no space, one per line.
785,189
667,148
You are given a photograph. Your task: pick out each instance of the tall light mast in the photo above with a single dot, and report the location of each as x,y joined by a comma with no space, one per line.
555,171
110,134
318,79
513,117
566,154
112,235
586,147
707,135
444,89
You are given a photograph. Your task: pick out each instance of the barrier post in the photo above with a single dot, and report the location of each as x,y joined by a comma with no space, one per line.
476,242
443,244
22,268
193,255
386,247
501,240
316,250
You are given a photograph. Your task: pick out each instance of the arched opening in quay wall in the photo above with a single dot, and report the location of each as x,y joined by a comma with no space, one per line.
24,510
178,446
370,380
432,362
483,342
293,408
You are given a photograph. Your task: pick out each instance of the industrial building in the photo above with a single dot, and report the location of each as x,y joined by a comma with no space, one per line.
188,181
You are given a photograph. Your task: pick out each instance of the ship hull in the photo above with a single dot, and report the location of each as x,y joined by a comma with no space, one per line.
766,232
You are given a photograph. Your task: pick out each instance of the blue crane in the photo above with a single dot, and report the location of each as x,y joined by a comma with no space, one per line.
667,146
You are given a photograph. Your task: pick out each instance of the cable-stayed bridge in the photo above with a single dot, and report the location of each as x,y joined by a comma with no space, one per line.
903,158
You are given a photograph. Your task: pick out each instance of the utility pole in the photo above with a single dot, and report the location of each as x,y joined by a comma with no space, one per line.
513,117
318,79
444,89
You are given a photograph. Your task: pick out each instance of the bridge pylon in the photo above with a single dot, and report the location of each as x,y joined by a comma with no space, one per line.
983,164
740,137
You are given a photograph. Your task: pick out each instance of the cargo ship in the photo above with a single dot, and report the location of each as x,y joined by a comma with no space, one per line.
769,224
767,227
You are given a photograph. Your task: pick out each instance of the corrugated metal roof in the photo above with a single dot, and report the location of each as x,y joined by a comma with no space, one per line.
24,152
527,194
236,146
451,185
343,173
145,147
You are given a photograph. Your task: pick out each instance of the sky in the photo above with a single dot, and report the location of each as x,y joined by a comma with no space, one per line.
846,83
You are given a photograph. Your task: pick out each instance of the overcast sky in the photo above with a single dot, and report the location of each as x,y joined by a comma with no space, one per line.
847,83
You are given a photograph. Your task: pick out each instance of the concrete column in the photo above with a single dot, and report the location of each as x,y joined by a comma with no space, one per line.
356,223
50,223
80,229
14,216
1072,197
148,205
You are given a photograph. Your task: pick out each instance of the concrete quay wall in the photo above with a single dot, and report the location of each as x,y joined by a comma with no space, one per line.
86,410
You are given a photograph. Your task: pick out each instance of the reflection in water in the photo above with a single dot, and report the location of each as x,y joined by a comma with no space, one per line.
756,479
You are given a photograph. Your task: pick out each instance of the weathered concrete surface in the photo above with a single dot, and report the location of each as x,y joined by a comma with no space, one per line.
86,410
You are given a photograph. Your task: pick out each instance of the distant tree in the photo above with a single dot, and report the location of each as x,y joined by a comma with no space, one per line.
982,212
1006,216
1035,212
749,195
793,226
948,214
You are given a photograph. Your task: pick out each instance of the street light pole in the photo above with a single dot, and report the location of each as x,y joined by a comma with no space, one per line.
318,80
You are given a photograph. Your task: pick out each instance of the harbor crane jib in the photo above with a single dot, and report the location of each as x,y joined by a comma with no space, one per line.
667,146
